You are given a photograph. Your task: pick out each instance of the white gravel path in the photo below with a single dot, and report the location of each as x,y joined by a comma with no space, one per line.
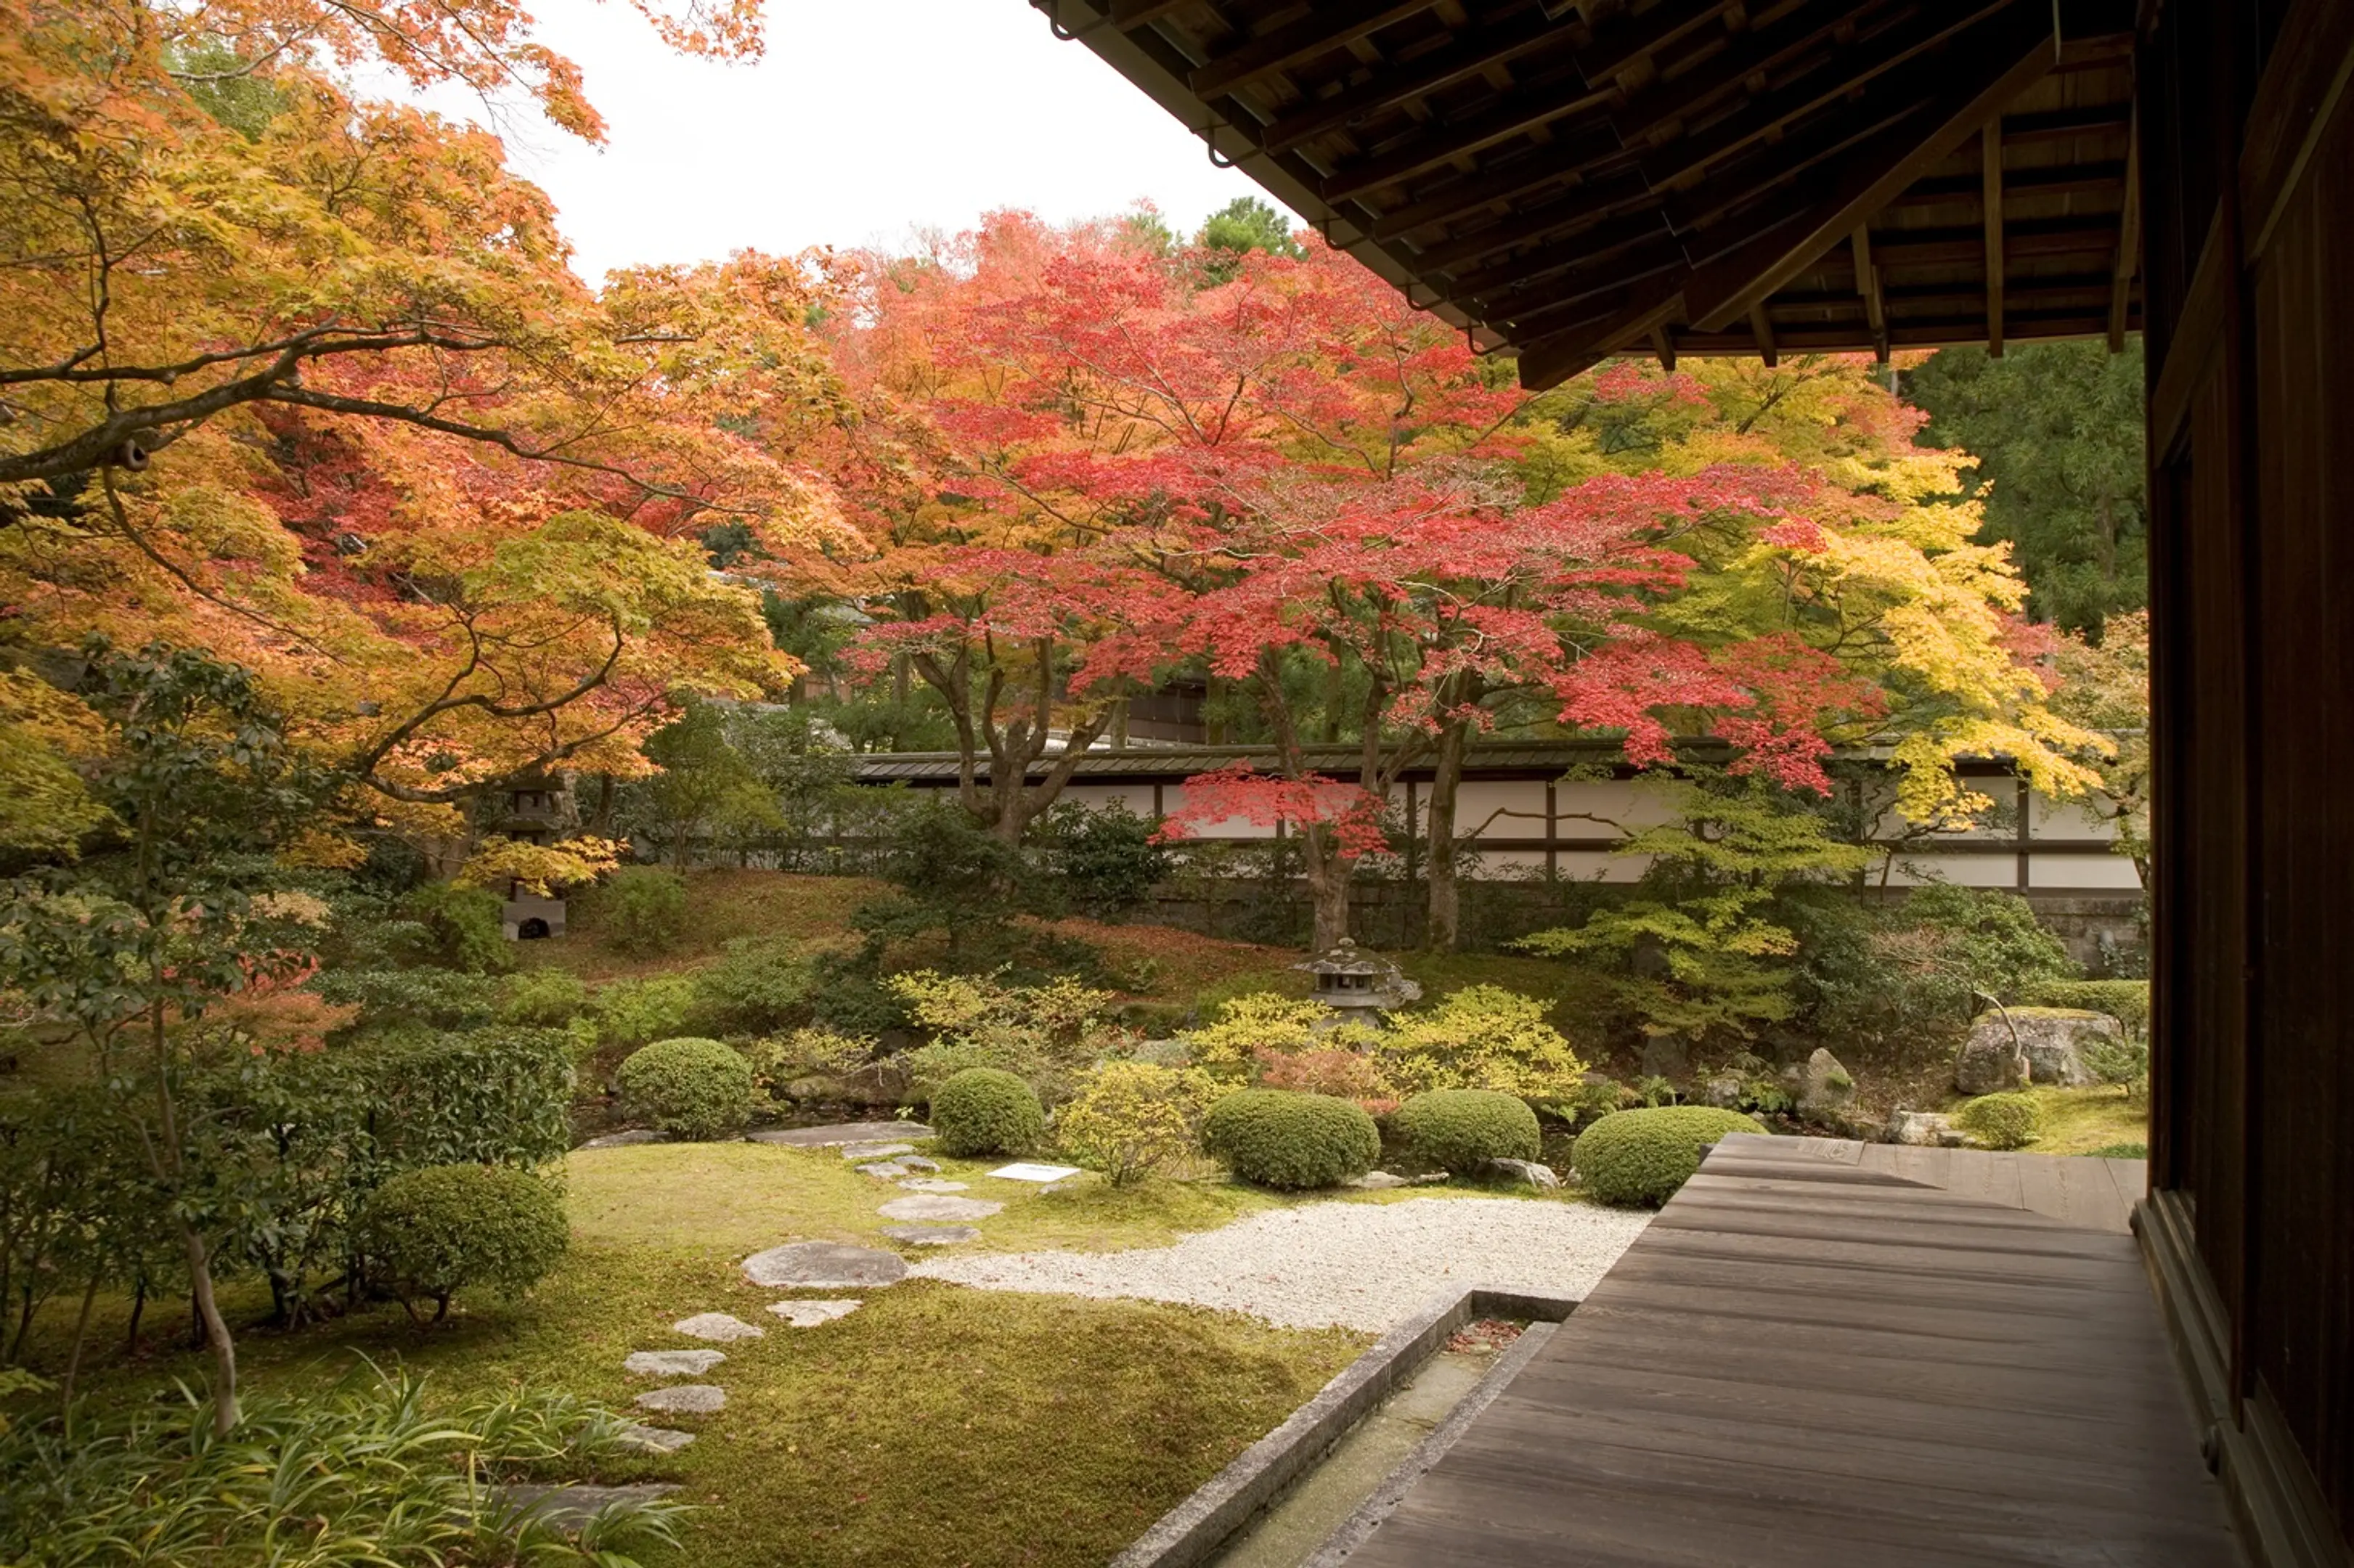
1359,1265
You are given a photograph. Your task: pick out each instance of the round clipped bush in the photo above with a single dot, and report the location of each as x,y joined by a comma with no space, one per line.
2001,1121
431,1232
688,1088
1460,1130
1643,1156
987,1110
1276,1137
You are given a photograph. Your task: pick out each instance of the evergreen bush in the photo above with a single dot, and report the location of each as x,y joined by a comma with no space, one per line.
643,910
428,1233
1460,1130
1643,1156
2009,1120
987,1110
2127,1001
1130,1118
1274,1137
759,985
688,1088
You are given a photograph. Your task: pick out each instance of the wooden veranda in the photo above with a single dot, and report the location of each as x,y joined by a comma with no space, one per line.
1571,179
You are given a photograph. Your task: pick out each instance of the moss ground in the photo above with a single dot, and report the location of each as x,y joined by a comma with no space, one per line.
936,1424
2082,1121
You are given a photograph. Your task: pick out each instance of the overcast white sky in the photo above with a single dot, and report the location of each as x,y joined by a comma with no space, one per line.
863,121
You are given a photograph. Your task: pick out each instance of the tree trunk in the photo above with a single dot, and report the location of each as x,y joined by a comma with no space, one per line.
225,1414
1442,923
1327,886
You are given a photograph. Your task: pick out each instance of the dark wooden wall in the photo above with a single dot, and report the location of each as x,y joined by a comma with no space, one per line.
2248,157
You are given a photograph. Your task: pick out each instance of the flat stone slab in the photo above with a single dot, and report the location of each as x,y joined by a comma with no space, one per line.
931,1235
842,1133
876,1150
934,1184
932,1208
718,1327
637,1439
673,1363
1376,1181
685,1399
918,1163
1032,1170
825,1265
810,1314
636,1135
573,1507
888,1170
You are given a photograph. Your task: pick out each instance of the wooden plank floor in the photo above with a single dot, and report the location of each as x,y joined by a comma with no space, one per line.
1815,1357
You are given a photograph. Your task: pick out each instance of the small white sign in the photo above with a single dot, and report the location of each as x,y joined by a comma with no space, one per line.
1028,1171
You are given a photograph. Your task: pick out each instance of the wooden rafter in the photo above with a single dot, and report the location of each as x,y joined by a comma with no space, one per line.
1517,115
1476,50
1761,329
1867,285
2129,245
1990,197
1317,33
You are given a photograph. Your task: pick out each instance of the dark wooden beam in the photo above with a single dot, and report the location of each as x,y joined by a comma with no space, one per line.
1621,41
1551,359
1539,104
1127,15
1474,50
1867,285
2121,275
1591,248
1904,38
1984,70
1770,47
1663,344
1761,330
1990,172
1319,33
1573,156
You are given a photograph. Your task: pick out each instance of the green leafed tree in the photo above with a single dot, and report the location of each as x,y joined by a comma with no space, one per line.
2056,429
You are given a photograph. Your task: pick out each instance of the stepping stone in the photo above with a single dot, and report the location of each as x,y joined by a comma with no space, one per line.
673,1363
636,1135
810,1314
931,1235
717,1326
876,1150
1376,1181
930,1208
932,1184
685,1399
1031,1170
918,1163
572,1506
825,1265
842,1133
887,1170
637,1439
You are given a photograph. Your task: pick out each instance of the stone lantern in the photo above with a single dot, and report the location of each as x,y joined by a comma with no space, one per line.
1356,984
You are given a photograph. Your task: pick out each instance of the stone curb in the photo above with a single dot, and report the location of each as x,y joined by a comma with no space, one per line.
1191,1533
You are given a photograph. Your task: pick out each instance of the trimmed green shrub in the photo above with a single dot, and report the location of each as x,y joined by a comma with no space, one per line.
1276,1138
758,986
1643,1156
987,1110
458,929
2009,1120
643,910
688,1088
429,1234
640,1011
1460,1130
2127,1001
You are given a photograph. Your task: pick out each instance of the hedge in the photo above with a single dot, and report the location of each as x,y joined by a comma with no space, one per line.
1276,1137
1460,1130
2009,1120
1643,1156
987,1110
2127,1001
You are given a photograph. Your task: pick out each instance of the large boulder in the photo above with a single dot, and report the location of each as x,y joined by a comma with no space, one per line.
1989,1062
2051,1041
1928,1128
1666,1057
1725,1091
1821,1090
